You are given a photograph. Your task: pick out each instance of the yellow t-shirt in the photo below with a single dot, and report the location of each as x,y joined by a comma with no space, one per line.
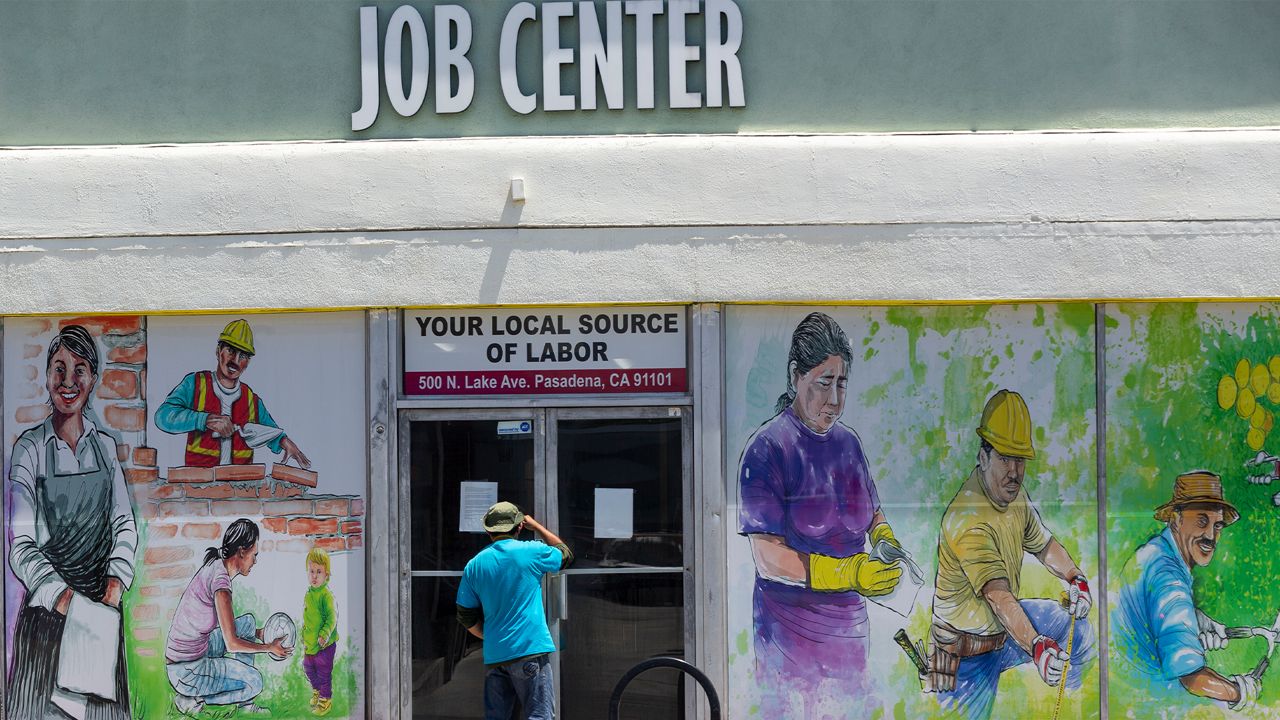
980,542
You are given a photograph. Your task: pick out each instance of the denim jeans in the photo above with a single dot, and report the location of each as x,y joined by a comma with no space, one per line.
529,681
220,678
979,676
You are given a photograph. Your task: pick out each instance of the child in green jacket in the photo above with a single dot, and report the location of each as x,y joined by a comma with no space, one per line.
319,631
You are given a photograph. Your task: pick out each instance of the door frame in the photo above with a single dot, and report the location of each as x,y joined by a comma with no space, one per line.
555,587
546,505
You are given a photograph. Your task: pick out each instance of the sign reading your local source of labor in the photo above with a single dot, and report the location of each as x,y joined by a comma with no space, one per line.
545,351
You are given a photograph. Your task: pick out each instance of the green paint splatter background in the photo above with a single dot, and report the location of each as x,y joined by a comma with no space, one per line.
919,380
1163,365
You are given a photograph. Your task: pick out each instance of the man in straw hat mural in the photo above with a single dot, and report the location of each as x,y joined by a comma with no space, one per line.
1159,631
981,627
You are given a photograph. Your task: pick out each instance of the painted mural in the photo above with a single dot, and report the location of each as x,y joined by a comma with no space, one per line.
1192,531
171,548
916,504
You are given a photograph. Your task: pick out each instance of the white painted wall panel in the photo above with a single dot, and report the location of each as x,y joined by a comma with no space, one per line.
640,219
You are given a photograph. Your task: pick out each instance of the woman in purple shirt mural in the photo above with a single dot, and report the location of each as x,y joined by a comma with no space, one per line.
811,512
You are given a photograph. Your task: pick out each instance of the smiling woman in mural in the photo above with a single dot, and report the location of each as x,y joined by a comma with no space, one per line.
811,511
73,542
210,652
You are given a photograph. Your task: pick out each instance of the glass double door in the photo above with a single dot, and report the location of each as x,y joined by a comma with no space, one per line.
612,483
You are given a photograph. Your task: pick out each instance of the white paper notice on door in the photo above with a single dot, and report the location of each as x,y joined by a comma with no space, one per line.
615,509
477,496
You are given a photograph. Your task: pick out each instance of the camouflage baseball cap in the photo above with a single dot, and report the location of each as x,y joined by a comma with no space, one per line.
502,517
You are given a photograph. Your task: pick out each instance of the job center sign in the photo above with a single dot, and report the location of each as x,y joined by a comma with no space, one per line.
545,351
437,47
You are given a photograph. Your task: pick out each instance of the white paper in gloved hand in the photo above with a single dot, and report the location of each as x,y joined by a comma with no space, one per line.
903,598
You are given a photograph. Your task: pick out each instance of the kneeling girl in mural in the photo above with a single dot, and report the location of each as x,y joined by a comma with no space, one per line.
811,512
209,653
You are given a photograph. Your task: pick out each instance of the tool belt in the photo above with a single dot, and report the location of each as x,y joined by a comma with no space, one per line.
947,646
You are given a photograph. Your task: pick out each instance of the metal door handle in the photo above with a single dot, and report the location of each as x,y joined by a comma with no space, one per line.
562,596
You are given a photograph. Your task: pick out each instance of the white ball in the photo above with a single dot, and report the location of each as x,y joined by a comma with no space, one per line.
280,626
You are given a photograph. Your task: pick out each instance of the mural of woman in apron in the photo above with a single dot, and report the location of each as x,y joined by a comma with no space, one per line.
72,548
812,512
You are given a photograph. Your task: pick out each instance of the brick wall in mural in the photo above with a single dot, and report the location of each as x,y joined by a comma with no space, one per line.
221,467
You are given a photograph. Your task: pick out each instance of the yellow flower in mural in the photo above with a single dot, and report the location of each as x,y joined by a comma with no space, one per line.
1255,438
1259,418
1274,366
1242,373
1259,380
1245,403
1227,389
1273,392
1269,423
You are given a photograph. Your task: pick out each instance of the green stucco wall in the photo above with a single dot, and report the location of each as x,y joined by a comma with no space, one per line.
131,71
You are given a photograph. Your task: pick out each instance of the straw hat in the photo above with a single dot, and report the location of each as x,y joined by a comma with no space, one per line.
1199,487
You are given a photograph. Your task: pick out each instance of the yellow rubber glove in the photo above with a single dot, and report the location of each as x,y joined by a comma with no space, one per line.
856,572
882,531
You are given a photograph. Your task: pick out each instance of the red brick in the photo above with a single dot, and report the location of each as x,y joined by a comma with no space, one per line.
297,476
238,508
164,555
144,612
288,507
146,634
143,387
332,544
151,591
182,509
31,414
202,531
190,474
357,506
282,490
107,324
276,524
211,492
32,351
266,546
141,476
118,384
30,373
294,545
355,541
170,572
129,419
122,452
144,456
167,492
339,507
162,530
131,355
149,510
313,526
239,473
349,527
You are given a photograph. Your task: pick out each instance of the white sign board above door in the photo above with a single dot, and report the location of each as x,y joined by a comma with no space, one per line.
545,351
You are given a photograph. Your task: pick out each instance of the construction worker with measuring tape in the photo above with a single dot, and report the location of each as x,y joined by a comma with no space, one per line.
981,627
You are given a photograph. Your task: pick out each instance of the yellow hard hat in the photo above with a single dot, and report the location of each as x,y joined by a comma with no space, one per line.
1006,425
238,335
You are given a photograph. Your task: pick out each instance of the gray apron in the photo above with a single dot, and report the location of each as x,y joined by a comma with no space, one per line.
77,509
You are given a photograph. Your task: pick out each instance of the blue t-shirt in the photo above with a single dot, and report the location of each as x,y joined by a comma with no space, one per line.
1155,621
505,582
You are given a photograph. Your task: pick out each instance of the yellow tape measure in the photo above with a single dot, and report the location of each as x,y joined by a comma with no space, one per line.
1066,667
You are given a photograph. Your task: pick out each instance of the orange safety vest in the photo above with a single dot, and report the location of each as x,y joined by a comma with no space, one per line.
203,449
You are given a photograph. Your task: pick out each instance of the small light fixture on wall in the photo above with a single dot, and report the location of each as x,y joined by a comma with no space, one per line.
517,190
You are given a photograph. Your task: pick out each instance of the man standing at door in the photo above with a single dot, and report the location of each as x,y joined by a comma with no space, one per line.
500,602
